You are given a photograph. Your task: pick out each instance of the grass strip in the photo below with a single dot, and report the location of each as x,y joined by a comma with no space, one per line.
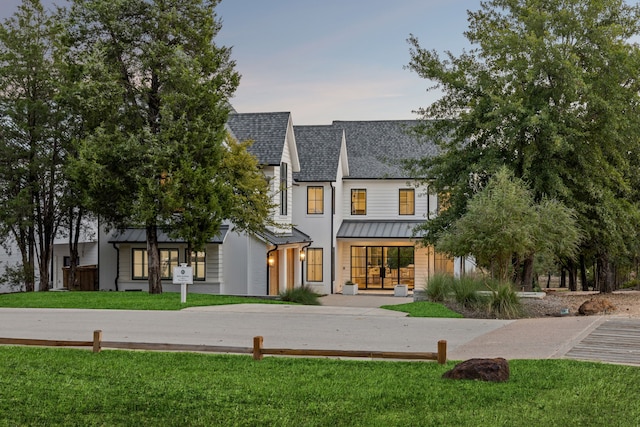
53,387
122,300
424,309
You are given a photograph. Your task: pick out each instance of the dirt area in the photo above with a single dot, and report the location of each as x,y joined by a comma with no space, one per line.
627,304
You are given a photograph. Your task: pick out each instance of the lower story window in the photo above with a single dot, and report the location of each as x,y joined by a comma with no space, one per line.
198,265
443,264
314,264
140,264
168,261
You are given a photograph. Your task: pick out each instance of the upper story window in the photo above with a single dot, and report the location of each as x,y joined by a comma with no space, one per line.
407,201
284,185
315,200
358,202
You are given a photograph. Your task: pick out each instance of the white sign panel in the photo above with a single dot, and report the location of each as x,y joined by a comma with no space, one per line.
182,274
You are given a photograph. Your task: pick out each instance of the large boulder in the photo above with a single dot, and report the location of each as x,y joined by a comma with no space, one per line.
596,306
494,370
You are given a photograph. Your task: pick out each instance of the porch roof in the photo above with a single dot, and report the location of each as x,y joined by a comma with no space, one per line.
388,229
139,235
296,236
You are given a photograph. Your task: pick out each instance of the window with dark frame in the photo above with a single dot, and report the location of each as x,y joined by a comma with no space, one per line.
140,263
315,200
358,201
314,264
198,264
140,267
407,201
168,260
284,185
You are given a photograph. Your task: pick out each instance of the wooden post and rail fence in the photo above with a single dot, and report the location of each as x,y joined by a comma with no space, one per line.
258,351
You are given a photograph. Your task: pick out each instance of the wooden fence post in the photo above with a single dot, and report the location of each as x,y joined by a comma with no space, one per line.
257,348
97,341
442,352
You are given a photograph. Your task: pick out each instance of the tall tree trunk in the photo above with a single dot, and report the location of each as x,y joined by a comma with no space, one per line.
605,273
28,267
563,277
548,279
153,253
75,222
571,270
44,264
189,251
527,273
583,274
516,275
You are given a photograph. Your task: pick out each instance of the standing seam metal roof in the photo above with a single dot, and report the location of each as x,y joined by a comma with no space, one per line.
139,235
397,229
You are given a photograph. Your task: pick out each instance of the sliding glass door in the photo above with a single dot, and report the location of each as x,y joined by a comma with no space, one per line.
382,267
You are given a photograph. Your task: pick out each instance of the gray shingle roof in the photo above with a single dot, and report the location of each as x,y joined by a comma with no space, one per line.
375,148
318,151
268,132
392,229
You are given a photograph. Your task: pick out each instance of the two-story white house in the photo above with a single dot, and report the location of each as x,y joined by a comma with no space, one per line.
346,209
360,206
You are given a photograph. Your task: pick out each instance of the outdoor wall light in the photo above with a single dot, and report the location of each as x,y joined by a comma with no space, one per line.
302,255
271,261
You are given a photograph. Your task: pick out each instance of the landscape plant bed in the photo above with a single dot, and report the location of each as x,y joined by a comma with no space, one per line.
76,387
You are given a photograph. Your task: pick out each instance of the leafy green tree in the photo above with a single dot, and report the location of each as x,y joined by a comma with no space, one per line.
503,221
161,86
550,89
33,136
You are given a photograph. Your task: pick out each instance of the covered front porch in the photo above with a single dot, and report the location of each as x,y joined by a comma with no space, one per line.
285,259
379,255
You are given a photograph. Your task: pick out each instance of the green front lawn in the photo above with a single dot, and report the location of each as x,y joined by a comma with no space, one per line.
121,300
424,309
56,387
171,301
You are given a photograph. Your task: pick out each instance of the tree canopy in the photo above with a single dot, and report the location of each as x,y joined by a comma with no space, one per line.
503,221
551,90
158,157
33,138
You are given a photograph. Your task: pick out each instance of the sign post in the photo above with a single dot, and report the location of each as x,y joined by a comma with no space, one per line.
183,276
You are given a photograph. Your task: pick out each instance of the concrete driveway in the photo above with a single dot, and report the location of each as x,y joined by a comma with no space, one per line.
342,323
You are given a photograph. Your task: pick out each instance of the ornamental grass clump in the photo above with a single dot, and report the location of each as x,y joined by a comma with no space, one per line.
302,295
465,291
504,302
439,287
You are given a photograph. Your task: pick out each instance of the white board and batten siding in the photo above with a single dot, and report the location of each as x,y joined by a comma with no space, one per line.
245,265
383,200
